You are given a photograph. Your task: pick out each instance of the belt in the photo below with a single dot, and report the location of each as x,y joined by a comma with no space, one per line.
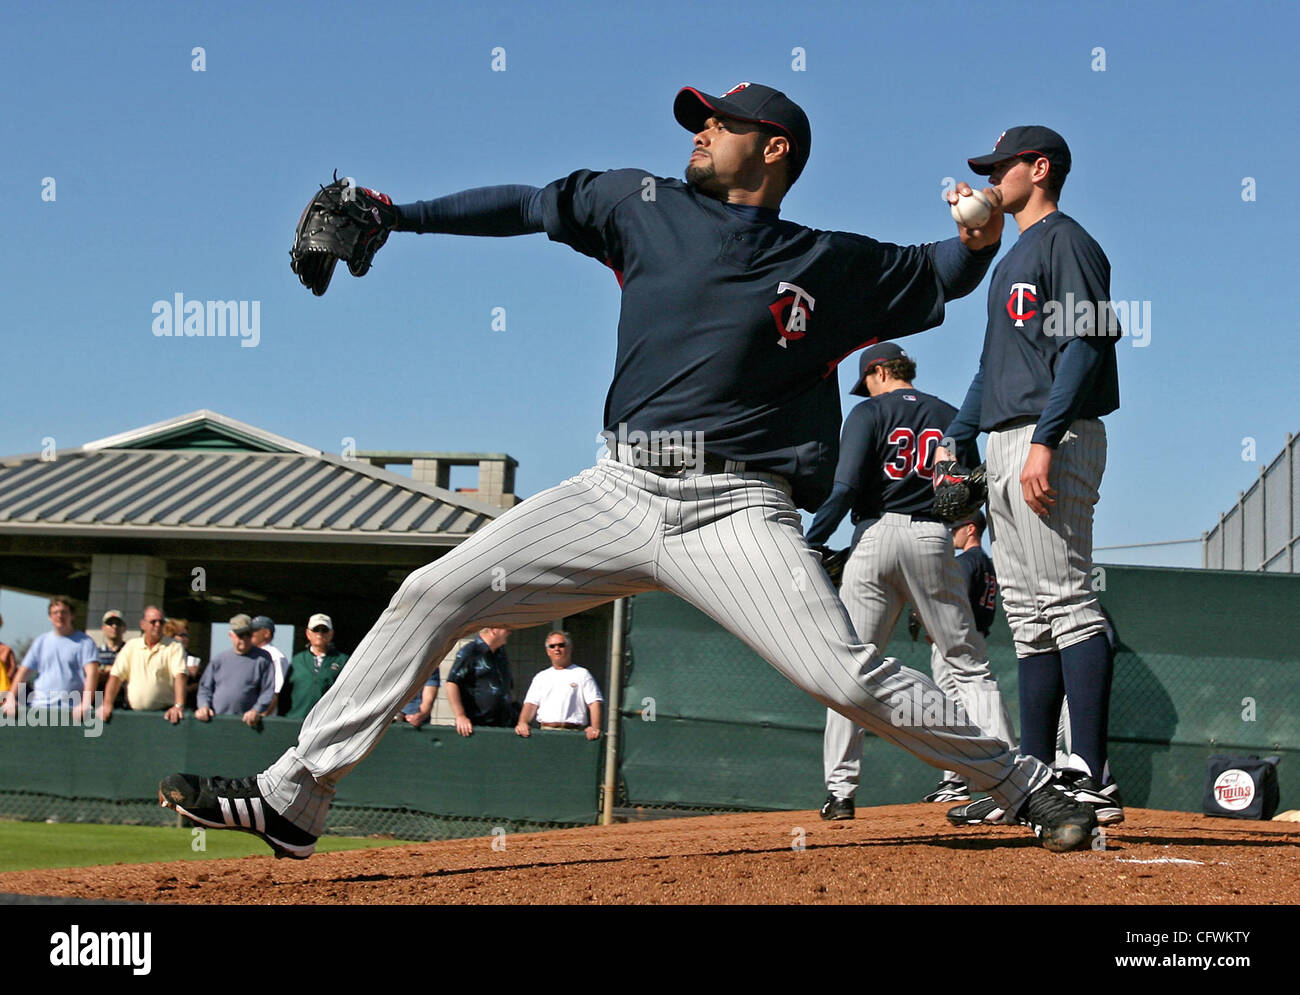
561,725
668,462
912,518
1010,423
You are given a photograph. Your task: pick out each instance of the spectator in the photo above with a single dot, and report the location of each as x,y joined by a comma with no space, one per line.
153,669
479,685
64,663
562,696
313,671
179,630
238,681
113,627
416,712
7,663
263,633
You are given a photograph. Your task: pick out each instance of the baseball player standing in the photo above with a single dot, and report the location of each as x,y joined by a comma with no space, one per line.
1047,375
720,421
901,553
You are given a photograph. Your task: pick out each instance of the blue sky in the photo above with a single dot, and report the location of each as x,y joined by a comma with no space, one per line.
168,180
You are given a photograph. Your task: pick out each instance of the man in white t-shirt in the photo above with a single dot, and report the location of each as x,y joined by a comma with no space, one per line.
563,697
263,633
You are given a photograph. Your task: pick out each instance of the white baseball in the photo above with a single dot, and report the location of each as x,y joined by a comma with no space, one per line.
971,211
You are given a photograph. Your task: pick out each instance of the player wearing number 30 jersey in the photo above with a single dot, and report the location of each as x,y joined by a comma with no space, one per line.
902,553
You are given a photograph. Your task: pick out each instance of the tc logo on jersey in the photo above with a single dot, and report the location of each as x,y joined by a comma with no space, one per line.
1020,303
791,313
735,89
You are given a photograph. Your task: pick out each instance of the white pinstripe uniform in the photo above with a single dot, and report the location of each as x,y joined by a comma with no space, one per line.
1044,565
717,339
898,560
731,544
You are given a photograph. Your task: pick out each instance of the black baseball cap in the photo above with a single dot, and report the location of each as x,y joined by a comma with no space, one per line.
749,102
1024,140
881,352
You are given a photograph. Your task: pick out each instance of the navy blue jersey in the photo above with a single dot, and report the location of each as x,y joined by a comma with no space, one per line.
1049,347
732,322
981,584
886,459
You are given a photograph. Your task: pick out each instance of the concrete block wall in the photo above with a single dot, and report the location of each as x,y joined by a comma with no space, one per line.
127,583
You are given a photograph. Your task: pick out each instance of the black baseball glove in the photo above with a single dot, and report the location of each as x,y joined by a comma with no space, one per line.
343,221
833,561
958,492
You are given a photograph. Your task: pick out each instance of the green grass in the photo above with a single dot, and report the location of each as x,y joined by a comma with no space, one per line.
34,845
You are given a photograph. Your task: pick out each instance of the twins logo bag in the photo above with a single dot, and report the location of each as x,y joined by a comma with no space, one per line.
1241,787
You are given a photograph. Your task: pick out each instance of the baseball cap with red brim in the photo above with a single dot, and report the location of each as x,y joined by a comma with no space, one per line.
749,102
881,352
1029,139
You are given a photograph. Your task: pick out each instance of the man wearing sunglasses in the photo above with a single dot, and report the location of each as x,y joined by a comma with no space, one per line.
152,669
564,696
313,671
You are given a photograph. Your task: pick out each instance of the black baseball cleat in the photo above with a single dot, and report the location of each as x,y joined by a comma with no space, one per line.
228,803
981,812
1105,802
949,791
1058,818
837,809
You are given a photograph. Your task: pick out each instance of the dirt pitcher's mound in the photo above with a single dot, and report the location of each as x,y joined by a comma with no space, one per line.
896,854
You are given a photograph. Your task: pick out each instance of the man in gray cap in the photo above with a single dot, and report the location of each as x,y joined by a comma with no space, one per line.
263,633
239,681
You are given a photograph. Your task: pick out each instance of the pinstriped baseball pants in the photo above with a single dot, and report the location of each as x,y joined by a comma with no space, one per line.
896,561
1044,566
731,544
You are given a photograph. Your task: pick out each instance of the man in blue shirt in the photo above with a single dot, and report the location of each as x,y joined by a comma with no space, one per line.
63,665
239,681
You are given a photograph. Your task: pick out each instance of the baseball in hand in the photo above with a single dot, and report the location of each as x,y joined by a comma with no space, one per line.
971,211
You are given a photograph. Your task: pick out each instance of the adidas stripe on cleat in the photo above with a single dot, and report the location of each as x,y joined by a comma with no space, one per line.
229,803
1106,802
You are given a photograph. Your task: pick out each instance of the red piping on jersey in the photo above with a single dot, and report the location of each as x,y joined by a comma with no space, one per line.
618,273
830,367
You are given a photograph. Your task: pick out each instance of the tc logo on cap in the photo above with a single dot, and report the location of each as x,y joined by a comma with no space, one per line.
999,141
736,89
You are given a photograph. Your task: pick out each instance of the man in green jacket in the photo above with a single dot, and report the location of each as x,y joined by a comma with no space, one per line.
313,671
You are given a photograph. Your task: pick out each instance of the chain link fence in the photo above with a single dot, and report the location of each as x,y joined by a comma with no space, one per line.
1262,530
400,824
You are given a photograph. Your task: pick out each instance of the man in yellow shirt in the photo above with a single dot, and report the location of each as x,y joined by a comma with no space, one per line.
7,663
153,670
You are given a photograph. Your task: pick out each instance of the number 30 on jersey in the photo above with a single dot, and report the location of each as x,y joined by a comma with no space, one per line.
907,446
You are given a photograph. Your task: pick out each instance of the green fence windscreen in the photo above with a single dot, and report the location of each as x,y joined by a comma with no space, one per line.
1207,664
463,786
